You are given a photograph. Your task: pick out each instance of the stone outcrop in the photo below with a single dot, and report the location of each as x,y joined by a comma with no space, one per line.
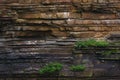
62,18
36,32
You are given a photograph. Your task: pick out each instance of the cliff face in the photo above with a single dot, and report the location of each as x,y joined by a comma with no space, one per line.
62,18
36,32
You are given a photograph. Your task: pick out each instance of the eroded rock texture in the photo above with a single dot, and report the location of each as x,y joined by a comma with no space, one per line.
36,32
61,18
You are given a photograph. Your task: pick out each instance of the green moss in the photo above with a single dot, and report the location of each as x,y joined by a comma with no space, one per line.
77,68
91,43
51,68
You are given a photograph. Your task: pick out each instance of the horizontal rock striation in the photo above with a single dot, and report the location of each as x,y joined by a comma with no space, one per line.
68,18
36,32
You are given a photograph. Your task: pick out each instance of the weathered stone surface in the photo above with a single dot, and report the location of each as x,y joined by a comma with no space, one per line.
94,15
88,34
88,15
41,20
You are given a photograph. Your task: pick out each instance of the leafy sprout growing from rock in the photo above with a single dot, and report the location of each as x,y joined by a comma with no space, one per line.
77,68
91,43
51,68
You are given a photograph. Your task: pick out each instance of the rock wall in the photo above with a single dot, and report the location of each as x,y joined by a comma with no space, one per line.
62,18
36,32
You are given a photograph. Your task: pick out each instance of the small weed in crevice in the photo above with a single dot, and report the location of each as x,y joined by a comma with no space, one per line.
91,43
77,68
51,68
107,53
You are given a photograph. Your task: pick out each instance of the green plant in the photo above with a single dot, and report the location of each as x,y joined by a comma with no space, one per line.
91,43
51,68
107,53
102,43
77,68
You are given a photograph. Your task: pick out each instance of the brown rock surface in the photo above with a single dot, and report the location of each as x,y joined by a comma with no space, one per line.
80,18
41,31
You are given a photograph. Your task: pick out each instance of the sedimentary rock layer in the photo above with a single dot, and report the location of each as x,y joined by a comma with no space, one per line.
61,18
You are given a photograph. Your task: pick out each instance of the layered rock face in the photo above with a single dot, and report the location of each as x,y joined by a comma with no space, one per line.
62,18
36,32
